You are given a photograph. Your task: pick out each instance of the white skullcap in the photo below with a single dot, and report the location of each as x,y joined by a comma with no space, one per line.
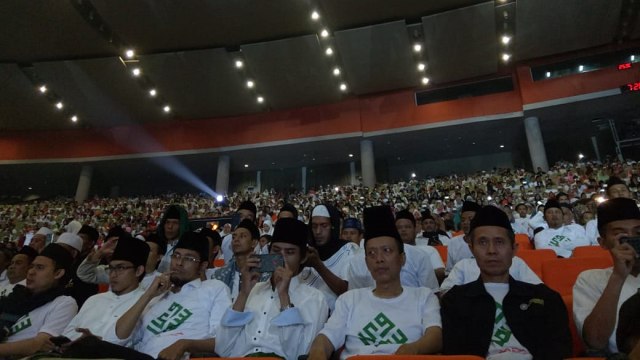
320,211
44,231
73,227
70,239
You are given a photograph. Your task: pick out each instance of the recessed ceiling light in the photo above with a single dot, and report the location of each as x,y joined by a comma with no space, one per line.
548,74
239,64
343,87
129,53
506,57
250,84
324,33
167,108
136,72
43,89
501,146
417,47
506,39
74,118
421,66
632,58
260,99
336,71
425,80
329,51
350,155
246,165
581,68
59,105
153,92
315,15
413,175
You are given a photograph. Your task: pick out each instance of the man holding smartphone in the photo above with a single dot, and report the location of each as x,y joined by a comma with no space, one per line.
599,294
264,320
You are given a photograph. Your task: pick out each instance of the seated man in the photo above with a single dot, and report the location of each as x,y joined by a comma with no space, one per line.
406,226
388,318
497,316
32,315
559,237
351,230
430,234
18,268
599,294
101,311
178,313
279,317
458,247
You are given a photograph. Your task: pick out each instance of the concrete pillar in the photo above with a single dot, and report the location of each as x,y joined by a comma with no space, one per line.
352,168
222,177
536,144
84,183
258,181
367,162
594,142
304,180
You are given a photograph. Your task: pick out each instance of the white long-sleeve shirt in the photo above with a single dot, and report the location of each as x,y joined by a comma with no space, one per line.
457,250
262,327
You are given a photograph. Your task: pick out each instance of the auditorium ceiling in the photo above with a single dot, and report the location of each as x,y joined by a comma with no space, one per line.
188,52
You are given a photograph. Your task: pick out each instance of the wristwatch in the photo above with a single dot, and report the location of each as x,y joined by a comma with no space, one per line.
285,307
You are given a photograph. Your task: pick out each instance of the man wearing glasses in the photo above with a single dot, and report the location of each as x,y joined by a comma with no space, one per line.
178,312
100,312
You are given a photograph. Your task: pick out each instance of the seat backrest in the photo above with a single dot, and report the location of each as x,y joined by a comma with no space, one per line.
218,263
523,242
442,250
535,258
561,274
578,347
590,251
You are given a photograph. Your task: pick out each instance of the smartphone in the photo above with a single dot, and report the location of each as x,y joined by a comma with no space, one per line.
269,262
59,340
634,242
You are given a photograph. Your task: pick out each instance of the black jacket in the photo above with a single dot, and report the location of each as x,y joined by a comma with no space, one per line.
535,314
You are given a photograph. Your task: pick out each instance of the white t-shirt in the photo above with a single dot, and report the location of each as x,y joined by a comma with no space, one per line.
367,324
503,345
591,231
521,226
338,264
8,288
183,315
100,313
50,318
457,250
467,270
433,255
416,271
588,290
561,240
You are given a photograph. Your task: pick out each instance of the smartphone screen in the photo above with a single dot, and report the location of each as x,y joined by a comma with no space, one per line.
269,262
634,242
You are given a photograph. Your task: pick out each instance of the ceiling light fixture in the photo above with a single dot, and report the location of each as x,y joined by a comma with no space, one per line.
136,72
324,33
581,68
59,105
421,66
153,92
343,87
336,71
260,99
250,84
351,155
506,57
425,80
129,54
43,89
548,74
501,146
315,15
506,39
167,108
74,118
632,57
246,165
417,47
329,51
239,64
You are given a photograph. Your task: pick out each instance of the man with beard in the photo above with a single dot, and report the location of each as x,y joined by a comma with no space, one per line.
328,256
18,269
178,313
430,234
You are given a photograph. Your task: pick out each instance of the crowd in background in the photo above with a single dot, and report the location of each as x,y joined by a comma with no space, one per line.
583,182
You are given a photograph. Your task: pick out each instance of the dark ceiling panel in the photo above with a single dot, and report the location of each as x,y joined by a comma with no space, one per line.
377,58
23,107
39,30
153,26
292,72
461,43
201,83
102,92
636,30
342,14
546,27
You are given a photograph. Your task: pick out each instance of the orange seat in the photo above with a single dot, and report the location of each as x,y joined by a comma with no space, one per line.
416,357
576,339
218,263
561,274
103,288
535,258
237,358
590,251
523,242
457,233
442,250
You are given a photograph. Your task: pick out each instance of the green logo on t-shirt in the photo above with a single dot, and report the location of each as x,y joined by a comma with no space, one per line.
556,240
170,319
379,331
502,334
20,325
